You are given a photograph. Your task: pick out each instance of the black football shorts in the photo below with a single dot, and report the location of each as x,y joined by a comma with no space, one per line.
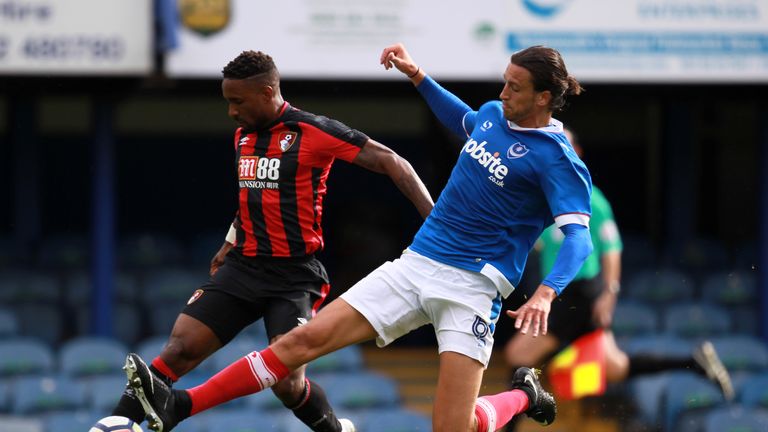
571,312
286,292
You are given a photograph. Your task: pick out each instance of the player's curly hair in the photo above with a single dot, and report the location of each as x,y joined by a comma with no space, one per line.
250,64
548,72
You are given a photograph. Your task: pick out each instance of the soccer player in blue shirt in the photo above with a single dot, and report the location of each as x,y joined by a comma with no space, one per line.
516,174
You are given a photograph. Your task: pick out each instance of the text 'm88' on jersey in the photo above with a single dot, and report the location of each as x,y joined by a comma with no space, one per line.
282,171
480,223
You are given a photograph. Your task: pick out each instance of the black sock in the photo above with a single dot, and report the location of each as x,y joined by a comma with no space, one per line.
129,406
648,363
314,410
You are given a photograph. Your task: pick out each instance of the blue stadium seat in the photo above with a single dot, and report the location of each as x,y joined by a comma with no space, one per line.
78,289
696,320
645,392
660,286
5,395
127,322
349,359
360,390
665,344
730,288
71,421
24,356
148,250
172,285
162,316
9,324
102,392
753,392
634,319
151,347
742,353
698,254
245,420
40,394
64,251
686,391
41,321
395,420
27,287
236,349
736,419
88,356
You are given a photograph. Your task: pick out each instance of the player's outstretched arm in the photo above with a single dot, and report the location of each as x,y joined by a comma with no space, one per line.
397,56
381,159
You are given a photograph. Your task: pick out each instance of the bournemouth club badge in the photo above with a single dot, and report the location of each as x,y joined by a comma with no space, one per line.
198,293
205,16
286,140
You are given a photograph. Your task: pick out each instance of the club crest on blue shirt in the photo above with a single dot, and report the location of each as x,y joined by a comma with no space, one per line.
517,150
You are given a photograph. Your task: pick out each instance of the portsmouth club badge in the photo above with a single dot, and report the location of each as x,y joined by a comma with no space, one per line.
205,16
286,140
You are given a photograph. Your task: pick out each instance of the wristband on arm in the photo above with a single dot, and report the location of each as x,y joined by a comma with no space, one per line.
231,237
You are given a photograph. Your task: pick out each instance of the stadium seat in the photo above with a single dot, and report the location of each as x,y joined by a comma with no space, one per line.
349,359
736,419
237,348
5,395
9,324
696,320
171,285
41,321
245,420
64,251
24,356
127,322
645,393
686,391
395,420
21,287
742,353
664,344
148,250
162,316
659,287
360,390
698,254
634,319
103,392
151,347
78,289
753,392
71,421
729,288
88,356
34,395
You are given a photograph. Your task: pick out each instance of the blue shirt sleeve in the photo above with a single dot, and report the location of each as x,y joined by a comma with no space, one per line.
567,186
576,247
452,112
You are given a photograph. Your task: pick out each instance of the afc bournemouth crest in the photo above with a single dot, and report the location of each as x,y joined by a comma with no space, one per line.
205,16
286,140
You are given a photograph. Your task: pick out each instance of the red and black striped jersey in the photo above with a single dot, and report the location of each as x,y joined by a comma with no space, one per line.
282,170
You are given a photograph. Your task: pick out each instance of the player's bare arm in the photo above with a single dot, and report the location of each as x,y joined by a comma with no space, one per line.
381,159
534,313
396,55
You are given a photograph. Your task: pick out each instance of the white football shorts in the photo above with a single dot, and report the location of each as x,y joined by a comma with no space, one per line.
413,290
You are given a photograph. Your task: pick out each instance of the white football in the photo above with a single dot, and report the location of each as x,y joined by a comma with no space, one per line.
116,424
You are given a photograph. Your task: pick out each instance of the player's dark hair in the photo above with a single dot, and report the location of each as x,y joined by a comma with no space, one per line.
252,64
548,70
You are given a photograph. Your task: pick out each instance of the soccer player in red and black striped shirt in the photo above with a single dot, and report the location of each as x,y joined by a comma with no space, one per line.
266,267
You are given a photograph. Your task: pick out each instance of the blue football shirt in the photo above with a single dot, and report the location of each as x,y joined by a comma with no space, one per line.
508,184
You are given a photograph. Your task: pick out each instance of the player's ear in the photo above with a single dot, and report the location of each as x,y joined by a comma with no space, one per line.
543,98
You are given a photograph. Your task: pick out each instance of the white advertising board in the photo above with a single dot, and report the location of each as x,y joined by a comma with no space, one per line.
75,37
602,40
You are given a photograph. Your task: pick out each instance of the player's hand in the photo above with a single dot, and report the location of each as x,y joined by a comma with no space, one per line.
602,312
218,259
397,56
533,315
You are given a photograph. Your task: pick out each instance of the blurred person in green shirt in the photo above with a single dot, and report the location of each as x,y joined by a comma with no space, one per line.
589,301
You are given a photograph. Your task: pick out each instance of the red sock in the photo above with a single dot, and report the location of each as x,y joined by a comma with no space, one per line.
160,365
493,412
250,374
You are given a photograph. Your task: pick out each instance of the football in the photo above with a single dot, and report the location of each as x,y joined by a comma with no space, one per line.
116,424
